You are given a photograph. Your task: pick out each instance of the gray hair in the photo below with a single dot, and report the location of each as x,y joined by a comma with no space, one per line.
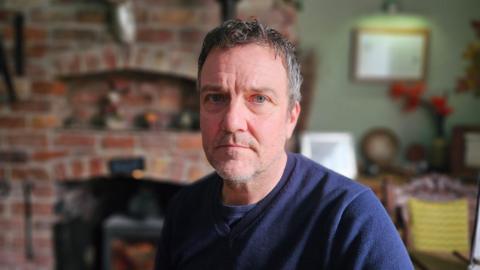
236,32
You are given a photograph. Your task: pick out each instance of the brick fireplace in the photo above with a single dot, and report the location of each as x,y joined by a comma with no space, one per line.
72,64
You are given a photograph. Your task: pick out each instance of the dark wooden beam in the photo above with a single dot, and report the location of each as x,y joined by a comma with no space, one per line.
229,9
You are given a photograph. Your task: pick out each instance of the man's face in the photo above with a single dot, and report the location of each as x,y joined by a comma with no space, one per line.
244,115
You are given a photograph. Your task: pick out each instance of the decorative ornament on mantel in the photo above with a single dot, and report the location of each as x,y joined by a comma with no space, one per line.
438,108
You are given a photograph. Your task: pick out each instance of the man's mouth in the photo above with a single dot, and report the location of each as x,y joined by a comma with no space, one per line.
232,146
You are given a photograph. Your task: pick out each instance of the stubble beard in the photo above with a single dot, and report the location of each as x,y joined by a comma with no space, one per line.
237,178
231,172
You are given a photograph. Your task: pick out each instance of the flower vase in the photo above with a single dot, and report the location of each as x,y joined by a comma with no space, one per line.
438,159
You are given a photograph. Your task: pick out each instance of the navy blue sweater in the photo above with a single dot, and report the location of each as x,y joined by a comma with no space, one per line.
314,218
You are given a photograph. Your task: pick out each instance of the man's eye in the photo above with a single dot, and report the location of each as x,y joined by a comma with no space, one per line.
215,98
259,99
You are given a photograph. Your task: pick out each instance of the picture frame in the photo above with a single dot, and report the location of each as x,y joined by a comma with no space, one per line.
475,237
390,54
334,150
465,151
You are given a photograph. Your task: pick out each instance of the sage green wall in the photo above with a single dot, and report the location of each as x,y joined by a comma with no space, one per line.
342,105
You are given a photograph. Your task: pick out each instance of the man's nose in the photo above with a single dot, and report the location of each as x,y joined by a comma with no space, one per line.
235,117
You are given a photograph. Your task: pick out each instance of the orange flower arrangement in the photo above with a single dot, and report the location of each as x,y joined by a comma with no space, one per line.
411,94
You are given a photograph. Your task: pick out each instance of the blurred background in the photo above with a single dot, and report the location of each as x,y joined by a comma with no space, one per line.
99,122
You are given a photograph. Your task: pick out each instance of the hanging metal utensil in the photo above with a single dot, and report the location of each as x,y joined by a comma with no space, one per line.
18,25
123,20
12,97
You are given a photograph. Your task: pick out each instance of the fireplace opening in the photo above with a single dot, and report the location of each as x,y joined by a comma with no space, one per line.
109,222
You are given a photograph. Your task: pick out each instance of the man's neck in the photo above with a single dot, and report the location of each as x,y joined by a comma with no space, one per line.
255,189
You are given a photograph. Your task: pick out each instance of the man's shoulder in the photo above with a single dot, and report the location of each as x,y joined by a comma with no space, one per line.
196,192
316,174
204,182
200,186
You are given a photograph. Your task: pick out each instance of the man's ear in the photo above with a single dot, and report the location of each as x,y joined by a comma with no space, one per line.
292,119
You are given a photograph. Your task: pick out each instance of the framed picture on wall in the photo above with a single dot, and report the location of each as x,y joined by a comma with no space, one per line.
465,151
383,54
334,150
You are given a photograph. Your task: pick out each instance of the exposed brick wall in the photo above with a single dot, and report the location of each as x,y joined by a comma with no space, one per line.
71,38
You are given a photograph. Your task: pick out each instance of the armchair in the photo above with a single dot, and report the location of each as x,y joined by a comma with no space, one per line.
433,212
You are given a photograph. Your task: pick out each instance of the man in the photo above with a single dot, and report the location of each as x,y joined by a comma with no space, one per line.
265,208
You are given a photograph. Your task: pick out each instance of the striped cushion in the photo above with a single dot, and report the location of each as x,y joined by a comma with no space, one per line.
439,226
